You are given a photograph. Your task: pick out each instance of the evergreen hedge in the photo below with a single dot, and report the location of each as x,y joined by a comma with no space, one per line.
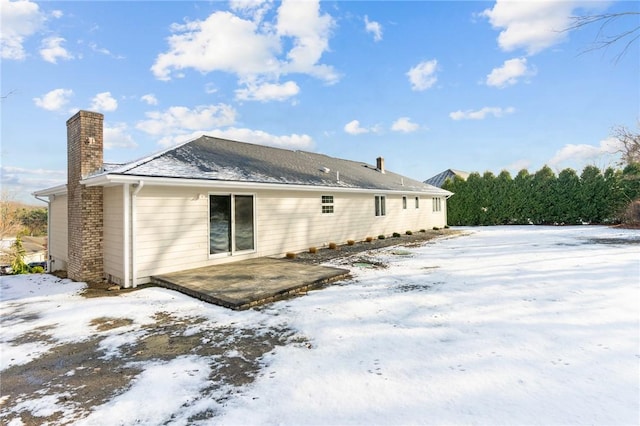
543,198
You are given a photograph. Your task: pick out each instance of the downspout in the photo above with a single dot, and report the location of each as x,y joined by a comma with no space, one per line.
48,201
126,243
446,209
134,269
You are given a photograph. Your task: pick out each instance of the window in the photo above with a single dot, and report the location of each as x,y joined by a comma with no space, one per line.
381,209
404,202
327,204
437,204
417,202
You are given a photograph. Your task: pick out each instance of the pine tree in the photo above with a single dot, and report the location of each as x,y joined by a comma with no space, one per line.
593,190
17,253
542,196
504,199
567,198
522,193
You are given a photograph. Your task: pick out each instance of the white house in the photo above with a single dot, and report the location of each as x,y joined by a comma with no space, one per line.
210,201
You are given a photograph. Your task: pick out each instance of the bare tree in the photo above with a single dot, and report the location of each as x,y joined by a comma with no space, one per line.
630,144
6,95
603,40
9,215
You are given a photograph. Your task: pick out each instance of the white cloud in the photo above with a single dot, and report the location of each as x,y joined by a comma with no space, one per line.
210,88
293,141
51,49
310,30
150,99
117,136
252,49
54,100
178,121
255,9
422,76
57,14
259,137
22,181
18,20
373,27
532,25
518,165
404,124
481,114
222,42
104,102
353,128
583,153
268,92
509,73
104,51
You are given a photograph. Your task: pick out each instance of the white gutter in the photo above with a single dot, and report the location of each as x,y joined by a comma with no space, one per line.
126,226
55,190
48,201
134,269
106,180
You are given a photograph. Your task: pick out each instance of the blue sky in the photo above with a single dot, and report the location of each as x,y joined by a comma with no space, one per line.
428,85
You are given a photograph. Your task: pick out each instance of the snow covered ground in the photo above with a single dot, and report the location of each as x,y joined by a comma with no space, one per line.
508,325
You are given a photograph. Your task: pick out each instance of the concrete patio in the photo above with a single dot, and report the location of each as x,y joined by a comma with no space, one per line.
249,283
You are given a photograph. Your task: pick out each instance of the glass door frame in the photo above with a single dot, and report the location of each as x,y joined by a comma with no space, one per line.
233,251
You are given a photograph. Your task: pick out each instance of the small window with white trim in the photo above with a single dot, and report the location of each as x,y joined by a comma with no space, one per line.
380,205
437,204
417,202
327,204
404,202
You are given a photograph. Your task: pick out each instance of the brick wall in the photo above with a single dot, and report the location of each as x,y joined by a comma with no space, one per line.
84,157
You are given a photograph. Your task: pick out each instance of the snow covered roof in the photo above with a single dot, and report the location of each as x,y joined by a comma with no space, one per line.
210,158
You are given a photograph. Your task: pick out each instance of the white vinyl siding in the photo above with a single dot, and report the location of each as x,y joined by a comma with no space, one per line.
113,222
58,235
171,230
290,221
172,225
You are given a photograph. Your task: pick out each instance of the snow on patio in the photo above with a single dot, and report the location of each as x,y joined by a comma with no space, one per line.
509,325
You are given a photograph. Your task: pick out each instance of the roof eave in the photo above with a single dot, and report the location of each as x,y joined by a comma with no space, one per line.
48,192
115,179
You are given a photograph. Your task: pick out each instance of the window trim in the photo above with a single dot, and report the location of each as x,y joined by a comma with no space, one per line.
233,251
437,204
326,204
380,205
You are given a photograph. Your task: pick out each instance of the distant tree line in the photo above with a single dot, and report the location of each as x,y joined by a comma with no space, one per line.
19,219
544,198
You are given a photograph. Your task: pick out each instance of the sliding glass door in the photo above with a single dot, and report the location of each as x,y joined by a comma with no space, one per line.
231,224
243,221
219,224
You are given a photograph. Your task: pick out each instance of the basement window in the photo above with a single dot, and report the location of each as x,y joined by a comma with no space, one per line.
327,204
380,205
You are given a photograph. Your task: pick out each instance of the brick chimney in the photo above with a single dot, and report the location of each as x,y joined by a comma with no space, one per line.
84,204
380,164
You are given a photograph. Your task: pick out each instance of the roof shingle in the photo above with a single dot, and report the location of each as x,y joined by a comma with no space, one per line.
220,159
